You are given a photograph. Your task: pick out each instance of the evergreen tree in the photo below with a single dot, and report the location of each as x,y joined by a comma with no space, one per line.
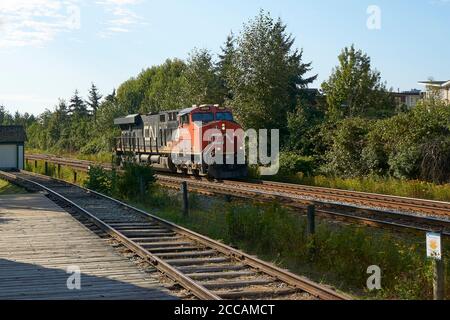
225,65
111,97
62,108
267,74
94,98
77,107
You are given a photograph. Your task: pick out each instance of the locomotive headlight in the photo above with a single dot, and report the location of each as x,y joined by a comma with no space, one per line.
223,126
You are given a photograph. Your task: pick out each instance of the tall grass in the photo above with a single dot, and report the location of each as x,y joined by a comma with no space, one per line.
389,186
101,157
65,173
341,256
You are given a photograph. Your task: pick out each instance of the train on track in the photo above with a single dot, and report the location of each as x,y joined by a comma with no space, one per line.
200,140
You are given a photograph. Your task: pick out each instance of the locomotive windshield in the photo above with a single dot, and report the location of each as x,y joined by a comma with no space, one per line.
224,116
203,117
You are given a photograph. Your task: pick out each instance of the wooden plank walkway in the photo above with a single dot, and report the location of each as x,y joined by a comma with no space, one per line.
39,241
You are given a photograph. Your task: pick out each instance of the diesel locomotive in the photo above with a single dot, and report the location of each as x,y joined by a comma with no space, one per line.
197,141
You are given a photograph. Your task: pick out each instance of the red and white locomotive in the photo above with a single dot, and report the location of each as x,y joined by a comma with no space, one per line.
180,140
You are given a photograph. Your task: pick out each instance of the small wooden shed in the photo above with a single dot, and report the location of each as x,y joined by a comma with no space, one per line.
12,147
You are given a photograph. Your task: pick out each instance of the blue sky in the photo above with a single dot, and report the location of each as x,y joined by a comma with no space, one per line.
49,48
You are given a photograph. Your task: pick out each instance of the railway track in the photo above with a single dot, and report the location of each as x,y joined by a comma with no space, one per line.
207,268
370,200
435,208
368,208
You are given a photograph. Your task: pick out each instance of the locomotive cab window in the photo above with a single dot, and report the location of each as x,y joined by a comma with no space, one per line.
185,119
203,117
162,118
224,116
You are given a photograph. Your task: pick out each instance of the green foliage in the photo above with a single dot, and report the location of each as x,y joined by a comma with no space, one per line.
266,74
94,99
304,124
412,145
274,233
354,89
345,155
166,90
292,164
225,66
77,107
154,89
135,180
203,85
381,185
99,180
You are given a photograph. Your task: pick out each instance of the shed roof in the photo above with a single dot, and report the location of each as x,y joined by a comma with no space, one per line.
12,134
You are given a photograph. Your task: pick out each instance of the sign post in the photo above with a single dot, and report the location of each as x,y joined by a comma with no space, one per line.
184,191
434,251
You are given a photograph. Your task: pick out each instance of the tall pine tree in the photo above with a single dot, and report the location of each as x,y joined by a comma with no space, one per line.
225,65
77,107
94,98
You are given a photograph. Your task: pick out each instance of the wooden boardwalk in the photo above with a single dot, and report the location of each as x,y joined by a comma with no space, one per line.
39,241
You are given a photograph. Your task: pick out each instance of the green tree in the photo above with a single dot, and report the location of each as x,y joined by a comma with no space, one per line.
348,141
154,89
111,97
94,98
130,95
413,145
77,106
225,65
304,123
167,88
354,89
267,74
203,84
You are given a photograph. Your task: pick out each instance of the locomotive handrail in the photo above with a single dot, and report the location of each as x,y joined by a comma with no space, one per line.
136,144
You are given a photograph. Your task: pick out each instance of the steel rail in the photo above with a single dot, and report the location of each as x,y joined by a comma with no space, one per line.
285,276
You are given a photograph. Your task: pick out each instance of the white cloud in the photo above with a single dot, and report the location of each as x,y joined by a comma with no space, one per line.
122,17
36,22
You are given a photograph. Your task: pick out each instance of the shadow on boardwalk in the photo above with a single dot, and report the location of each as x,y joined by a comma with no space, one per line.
20,281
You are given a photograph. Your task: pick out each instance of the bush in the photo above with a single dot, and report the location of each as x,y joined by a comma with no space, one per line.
135,181
99,180
345,158
292,163
412,145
